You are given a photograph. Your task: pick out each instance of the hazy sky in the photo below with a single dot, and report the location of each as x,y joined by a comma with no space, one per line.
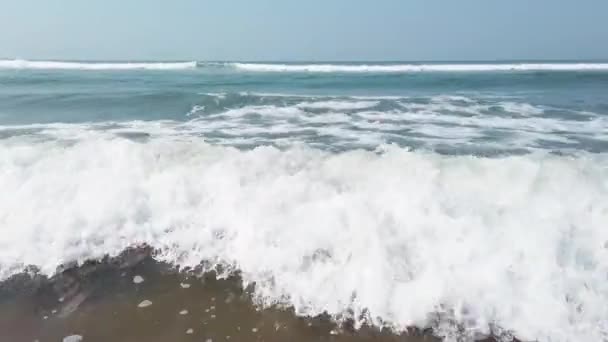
304,29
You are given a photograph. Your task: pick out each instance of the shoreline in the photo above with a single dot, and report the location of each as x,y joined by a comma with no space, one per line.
135,298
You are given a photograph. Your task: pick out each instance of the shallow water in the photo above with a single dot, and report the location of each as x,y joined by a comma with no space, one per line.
104,303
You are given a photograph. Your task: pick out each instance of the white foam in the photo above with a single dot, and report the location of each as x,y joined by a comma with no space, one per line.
337,105
458,121
455,122
525,109
323,96
267,111
50,65
520,242
195,110
401,68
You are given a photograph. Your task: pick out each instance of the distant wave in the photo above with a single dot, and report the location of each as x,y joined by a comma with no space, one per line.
402,68
49,65
315,68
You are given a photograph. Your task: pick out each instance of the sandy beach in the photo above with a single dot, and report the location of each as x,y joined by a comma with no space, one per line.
134,298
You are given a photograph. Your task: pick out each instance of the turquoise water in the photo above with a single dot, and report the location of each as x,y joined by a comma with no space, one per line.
459,108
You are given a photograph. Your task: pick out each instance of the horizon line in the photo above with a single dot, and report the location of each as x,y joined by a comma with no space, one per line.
314,61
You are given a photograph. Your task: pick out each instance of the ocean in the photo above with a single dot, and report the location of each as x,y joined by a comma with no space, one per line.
461,200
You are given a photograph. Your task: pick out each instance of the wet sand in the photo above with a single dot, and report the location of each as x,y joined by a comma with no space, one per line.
105,302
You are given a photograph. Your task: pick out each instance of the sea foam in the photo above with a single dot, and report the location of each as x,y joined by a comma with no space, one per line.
50,65
465,245
404,68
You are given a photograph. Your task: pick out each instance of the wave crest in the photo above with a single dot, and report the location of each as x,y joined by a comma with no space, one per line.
59,65
403,68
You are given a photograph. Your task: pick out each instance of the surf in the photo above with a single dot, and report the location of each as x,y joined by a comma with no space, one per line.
394,236
61,65
409,68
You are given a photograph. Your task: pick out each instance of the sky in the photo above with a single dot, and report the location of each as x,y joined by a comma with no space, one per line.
313,30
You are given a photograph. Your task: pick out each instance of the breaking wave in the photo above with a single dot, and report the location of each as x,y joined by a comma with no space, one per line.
465,245
404,68
50,65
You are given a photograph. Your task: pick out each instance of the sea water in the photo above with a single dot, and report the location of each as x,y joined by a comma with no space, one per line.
471,198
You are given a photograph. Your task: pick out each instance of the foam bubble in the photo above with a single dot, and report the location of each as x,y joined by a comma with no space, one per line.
408,238
50,65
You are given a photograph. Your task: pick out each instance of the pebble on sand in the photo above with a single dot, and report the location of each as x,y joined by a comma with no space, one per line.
72,338
190,331
138,279
183,312
184,285
144,304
